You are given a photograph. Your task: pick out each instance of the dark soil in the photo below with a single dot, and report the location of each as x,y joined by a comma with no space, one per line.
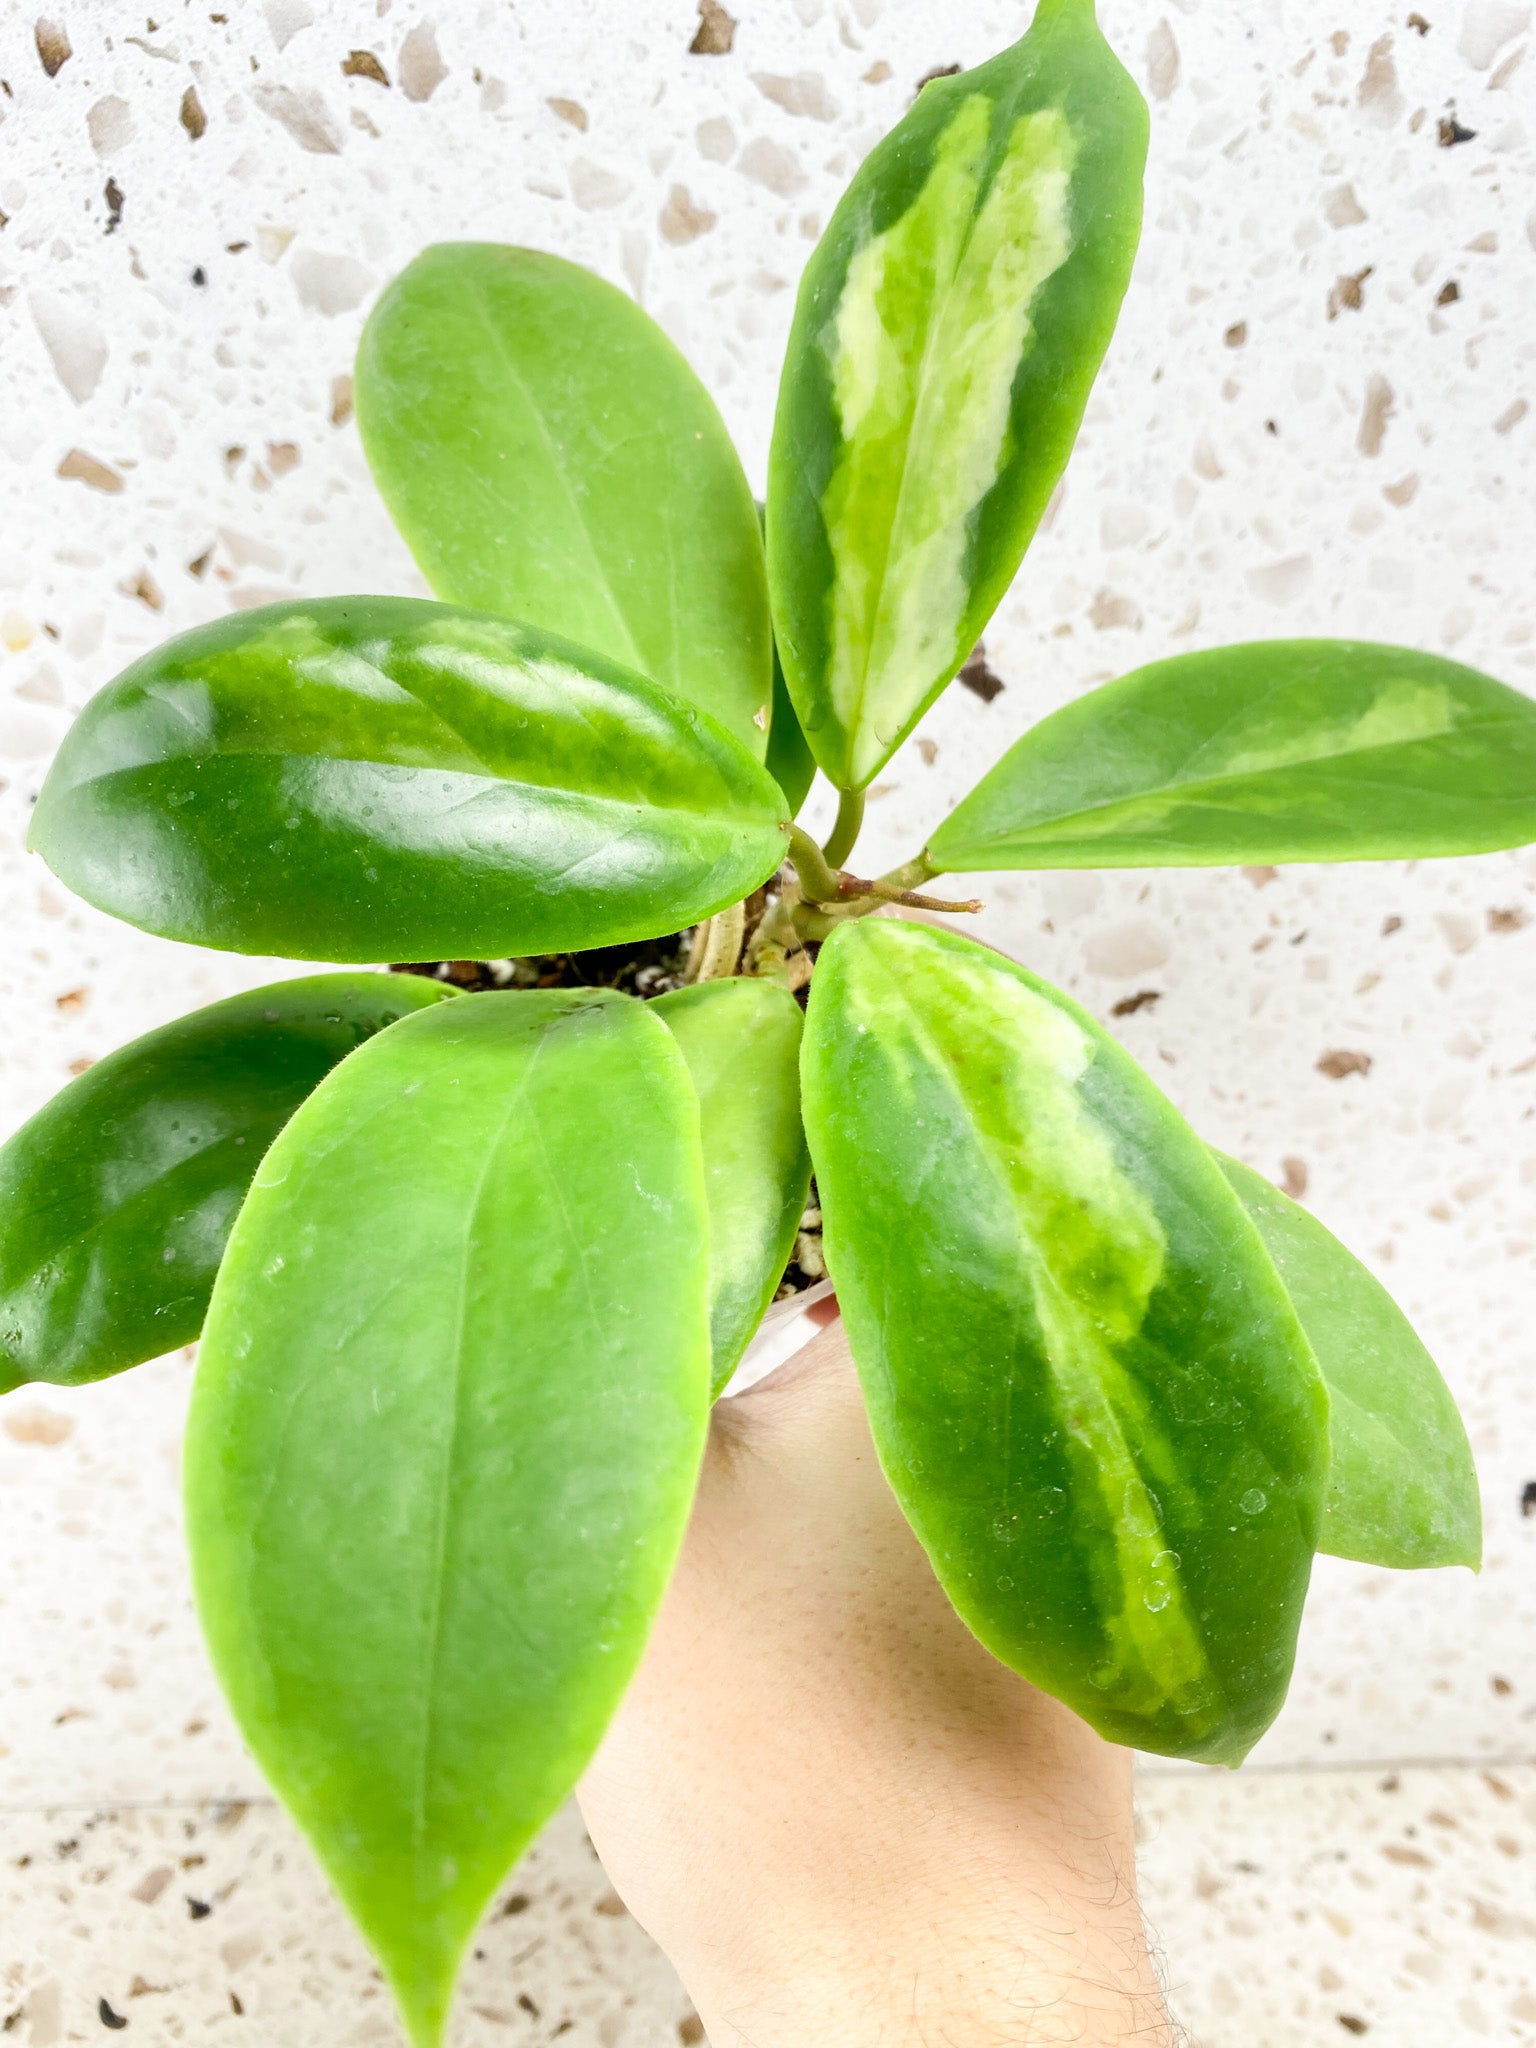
649,967
639,967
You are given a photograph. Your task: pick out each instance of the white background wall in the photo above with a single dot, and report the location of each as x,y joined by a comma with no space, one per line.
1302,428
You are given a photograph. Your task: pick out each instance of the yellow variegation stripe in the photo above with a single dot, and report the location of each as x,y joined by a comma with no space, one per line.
1221,772
932,324
1090,1252
1278,750
1402,712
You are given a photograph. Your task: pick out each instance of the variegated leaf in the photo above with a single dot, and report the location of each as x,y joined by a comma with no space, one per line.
374,778
1278,750
948,330
1087,1385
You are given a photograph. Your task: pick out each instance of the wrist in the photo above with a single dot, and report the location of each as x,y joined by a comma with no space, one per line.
1061,1957
1023,2003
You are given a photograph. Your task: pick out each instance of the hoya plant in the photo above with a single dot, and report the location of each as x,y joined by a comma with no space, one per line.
469,1269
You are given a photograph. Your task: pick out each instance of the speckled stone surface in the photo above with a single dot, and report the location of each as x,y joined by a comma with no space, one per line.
1294,1909
1289,1909
191,1919
1317,416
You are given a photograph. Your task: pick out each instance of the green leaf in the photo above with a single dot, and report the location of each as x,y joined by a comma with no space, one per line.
790,761
1402,1489
445,1429
1088,1388
116,1198
548,454
741,1040
948,330
381,779
1280,750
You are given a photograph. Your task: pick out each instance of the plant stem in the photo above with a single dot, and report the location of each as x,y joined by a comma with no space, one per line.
716,948
850,816
776,952
820,919
830,897
818,880
913,875
884,892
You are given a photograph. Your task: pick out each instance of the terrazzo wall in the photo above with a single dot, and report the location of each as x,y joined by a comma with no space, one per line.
1317,417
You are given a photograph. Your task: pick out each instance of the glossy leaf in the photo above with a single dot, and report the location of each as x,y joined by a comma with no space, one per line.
1088,1388
1402,1489
446,1424
1280,750
382,779
948,330
741,1040
548,454
117,1197
790,761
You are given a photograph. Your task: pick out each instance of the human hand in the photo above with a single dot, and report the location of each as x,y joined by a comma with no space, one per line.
841,1818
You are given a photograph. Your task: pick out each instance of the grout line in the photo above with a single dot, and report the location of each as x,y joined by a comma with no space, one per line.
1163,1771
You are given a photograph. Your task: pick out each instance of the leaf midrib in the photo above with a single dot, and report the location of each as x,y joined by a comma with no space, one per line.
940,1062
557,470
724,816
440,1542
855,719
1206,790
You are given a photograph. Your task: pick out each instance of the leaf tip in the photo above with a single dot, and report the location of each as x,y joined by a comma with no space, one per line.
424,2005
